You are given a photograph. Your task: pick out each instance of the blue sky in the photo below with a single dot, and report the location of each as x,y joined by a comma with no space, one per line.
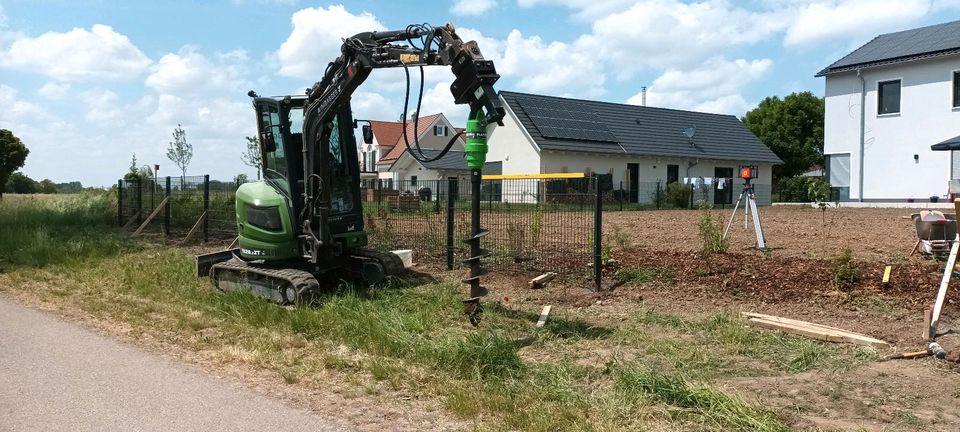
85,84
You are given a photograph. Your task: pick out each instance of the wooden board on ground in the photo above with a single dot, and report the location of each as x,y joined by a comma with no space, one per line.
813,330
542,280
156,211
543,316
886,275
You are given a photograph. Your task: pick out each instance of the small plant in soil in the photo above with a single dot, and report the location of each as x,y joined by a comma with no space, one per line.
819,192
845,273
711,231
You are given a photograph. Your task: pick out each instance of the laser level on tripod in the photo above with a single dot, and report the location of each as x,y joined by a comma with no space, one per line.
749,199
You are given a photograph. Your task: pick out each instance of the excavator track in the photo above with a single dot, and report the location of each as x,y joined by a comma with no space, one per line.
392,264
284,286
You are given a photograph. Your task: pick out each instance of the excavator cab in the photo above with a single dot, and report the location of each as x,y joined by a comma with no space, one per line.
268,212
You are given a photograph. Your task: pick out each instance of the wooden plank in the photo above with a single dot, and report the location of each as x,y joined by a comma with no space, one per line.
886,275
818,331
542,280
543,316
945,281
156,211
234,243
129,223
927,312
194,229
533,176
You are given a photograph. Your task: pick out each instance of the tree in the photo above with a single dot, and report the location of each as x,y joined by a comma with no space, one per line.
47,186
135,173
12,156
241,179
251,156
180,152
19,183
793,128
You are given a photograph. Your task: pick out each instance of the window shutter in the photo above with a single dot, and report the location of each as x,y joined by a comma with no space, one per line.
955,165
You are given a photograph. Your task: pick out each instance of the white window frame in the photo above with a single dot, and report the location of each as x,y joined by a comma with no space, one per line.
442,132
899,105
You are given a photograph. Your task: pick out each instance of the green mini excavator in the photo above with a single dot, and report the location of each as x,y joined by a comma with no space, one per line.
305,219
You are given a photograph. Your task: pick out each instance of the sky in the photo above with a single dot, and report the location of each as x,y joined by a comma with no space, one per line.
88,83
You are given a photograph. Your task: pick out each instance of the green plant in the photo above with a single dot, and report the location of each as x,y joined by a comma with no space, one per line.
516,235
845,273
711,231
678,195
819,191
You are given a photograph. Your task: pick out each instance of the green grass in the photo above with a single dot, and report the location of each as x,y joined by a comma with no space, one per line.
647,274
408,336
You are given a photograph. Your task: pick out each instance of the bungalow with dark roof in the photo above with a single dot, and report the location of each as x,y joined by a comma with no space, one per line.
640,147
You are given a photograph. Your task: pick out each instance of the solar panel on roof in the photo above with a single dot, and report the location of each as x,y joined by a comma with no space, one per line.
566,120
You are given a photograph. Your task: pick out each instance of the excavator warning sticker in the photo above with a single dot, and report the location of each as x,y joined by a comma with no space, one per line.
409,58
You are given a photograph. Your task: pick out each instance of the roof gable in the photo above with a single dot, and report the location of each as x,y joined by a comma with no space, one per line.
415,129
648,131
925,42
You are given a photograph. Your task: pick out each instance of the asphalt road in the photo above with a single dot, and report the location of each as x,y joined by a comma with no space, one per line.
56,376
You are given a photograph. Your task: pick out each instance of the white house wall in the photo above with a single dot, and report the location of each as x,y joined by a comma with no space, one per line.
511,145
891,141
653,170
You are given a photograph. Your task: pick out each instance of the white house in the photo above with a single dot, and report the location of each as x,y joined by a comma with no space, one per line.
387,153
887,103
638,146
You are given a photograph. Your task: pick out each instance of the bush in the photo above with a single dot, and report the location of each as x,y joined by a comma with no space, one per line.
800,189
845,273
711,232
678,195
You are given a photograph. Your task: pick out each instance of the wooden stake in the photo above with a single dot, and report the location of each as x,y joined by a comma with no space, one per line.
927,312
194,229
156,211
129,223
945,281
886,275
233,244
543,316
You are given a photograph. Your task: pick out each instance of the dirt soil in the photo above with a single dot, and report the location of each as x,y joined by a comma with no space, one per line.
875,234
795,279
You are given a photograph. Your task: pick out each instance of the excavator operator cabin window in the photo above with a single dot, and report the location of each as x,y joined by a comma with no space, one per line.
275,158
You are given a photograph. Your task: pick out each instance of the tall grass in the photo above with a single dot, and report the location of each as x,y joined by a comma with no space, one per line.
43,230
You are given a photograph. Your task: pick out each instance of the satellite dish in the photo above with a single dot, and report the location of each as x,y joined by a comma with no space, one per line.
690,132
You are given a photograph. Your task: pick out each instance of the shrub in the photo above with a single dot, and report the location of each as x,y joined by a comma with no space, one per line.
711,231
802,189
678,195
845,273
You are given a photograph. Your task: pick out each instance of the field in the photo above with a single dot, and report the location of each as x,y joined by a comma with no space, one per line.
662,348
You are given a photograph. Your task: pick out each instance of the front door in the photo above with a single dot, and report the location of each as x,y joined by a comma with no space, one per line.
633,178
723,186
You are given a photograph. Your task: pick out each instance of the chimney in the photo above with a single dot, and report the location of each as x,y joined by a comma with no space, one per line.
643,96
413,116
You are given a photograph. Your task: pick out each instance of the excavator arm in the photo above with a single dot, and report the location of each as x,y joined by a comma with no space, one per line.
361,54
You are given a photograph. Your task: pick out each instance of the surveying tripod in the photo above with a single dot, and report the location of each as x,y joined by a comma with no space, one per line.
749,199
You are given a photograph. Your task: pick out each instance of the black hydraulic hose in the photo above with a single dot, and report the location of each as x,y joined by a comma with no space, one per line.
419,156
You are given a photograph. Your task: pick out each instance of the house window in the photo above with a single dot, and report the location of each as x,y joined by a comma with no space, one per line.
673,173
413,180
838,172
956,89
440,130
888,97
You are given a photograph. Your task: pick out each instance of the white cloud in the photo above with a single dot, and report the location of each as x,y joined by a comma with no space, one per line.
190,72
103,108
472,7
3,18
714,86
99,53
586,9
373,106
822,20
53,90
550,67
316,39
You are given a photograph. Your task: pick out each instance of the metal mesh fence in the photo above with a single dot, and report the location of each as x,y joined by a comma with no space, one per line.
189,198
660,196
536,224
